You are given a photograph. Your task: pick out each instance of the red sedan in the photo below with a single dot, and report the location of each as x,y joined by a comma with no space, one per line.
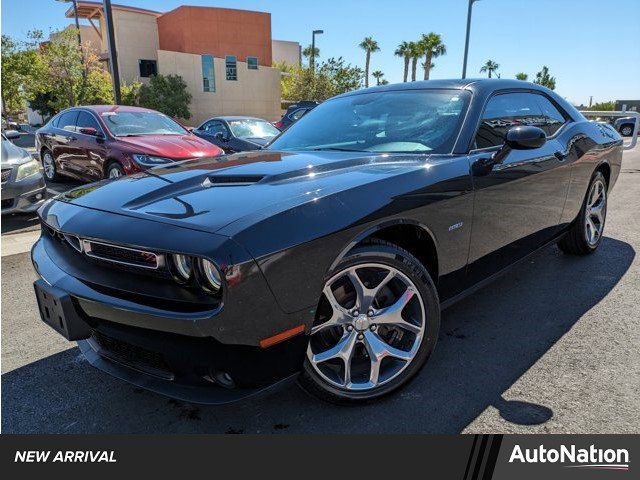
108,141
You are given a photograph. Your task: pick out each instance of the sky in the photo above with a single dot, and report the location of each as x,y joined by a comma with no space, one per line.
592,47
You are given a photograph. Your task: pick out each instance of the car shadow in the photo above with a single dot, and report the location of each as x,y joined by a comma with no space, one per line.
487,342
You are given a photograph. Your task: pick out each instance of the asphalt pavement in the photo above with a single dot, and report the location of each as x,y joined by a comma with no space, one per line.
550,347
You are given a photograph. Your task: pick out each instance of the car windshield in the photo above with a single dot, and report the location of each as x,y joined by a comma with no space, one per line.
405,121
252,129
130,124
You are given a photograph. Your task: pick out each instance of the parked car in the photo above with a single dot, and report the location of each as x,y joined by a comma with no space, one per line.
108,141
295,113
625,125
23,188
327,256
237,134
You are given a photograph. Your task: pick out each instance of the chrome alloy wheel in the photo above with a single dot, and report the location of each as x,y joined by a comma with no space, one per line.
49,168
371,324
595,213
114,172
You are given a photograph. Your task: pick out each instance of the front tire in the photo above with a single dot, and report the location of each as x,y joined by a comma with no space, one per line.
376,325
585,235
115,170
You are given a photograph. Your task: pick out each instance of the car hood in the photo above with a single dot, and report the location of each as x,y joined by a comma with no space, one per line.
170,146
13,155
211,193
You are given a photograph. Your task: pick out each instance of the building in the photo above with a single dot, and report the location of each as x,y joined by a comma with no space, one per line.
225,56
628,105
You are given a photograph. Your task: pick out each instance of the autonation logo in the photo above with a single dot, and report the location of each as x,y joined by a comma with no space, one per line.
592,457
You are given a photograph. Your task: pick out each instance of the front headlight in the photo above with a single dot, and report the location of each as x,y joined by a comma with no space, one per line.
28,169
211,275
150,160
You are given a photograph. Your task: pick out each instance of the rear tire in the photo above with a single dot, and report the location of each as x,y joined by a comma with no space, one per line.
356,356
114,170
585,234
49,166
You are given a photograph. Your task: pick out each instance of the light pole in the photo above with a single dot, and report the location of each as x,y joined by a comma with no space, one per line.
312,58
466,42
113,54
75,14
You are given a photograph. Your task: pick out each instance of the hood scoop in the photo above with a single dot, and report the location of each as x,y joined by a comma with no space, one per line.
185,187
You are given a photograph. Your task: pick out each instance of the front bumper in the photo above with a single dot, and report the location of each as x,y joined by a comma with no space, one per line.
24,196
179,354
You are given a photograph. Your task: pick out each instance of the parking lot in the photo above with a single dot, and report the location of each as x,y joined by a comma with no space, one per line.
550,347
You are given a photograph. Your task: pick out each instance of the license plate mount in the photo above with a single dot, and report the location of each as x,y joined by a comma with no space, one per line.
58,311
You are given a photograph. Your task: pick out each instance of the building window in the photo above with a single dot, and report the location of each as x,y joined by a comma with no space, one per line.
208,79
148,68
252,63
231,67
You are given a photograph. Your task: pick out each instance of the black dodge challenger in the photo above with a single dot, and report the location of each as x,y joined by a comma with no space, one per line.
327,256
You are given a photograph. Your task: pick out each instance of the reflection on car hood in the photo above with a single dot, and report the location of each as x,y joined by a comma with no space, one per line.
171,146
210,193
13,155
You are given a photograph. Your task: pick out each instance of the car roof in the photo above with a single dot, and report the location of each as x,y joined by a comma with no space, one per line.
115,108
473,84
230,118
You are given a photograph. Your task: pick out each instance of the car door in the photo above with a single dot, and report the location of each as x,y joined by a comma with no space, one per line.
64,143
211,130
518,202
90,164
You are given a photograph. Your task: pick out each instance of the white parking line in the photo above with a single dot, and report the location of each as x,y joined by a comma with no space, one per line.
15,243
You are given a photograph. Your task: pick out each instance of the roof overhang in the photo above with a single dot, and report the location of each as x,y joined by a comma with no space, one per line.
94,9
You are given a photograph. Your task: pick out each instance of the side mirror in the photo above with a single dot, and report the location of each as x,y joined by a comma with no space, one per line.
525,138
89,131
11,134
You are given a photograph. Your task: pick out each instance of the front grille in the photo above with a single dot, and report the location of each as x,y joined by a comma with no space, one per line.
132,355
123,255
7,203
6,173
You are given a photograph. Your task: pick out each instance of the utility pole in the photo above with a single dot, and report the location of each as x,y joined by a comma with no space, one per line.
590,101
312,57
113,55
466,42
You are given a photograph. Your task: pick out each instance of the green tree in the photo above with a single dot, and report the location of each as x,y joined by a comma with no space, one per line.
369,45
543,78
167,94
432,47
130,93
342,76
378,76
306,53
603,106
404,51
489,67
522,76
416,53
18,64
331,78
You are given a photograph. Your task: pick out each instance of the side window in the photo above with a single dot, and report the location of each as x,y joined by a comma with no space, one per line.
67,121
298,114
554,119
54,121
86,120
214,127
252,63
504,111
208,77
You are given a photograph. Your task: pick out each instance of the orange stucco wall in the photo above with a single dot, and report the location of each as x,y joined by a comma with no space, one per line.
217,32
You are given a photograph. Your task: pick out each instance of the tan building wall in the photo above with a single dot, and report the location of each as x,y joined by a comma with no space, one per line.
256,92
136,39
285,51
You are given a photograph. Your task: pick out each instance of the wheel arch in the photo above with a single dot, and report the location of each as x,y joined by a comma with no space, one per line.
605,168
410,235
108,163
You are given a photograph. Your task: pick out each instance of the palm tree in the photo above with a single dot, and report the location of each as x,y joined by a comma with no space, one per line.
489,67
522,76
416,53
433,47
306,53
378,76
543,78
369,45
404,51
